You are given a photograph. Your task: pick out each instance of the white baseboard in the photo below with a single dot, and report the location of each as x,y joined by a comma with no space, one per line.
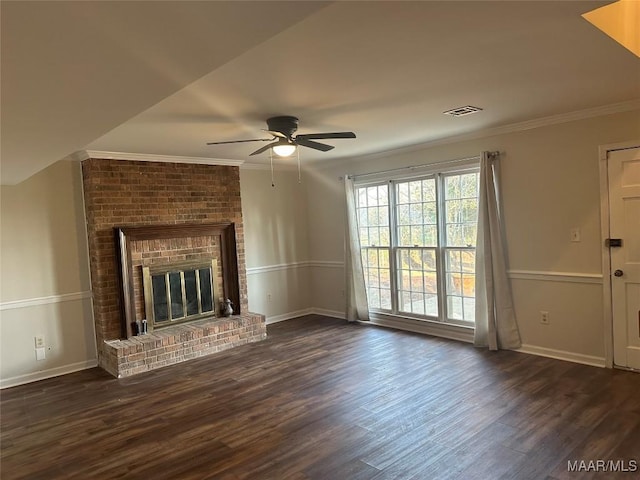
302,313
44,374
528,349
289,316
563,355
329,313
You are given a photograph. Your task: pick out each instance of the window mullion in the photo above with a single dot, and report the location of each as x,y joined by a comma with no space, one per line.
440,257
393,248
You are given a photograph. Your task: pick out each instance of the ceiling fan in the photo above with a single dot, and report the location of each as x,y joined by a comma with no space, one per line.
282,128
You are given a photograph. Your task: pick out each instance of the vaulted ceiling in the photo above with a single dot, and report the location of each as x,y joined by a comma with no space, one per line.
166,77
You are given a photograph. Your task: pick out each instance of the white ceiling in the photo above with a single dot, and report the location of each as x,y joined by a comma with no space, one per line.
167,77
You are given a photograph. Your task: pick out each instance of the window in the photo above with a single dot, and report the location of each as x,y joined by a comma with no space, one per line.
418,239
375,241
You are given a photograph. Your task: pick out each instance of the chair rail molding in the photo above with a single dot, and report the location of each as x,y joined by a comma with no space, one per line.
538,275
552,276
32,302
291,265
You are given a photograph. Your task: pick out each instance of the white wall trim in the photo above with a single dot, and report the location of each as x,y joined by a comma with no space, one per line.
151,157
494,131
44,374
453,332
291,265
539,275
301,313
276,268
551,276
326,264
32,302
289,316
328,313
563,355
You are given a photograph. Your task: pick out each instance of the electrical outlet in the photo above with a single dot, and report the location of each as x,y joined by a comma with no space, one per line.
40,353
544,317
575,234
268,298
39,340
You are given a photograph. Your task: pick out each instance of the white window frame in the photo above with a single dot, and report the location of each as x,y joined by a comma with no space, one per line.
437,171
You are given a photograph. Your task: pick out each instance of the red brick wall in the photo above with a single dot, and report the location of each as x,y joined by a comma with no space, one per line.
127,193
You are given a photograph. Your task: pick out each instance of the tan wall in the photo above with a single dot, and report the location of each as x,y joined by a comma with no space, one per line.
276,242
44,245
550,180
277,216
44,273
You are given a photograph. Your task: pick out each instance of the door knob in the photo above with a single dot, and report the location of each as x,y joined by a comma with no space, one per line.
618,273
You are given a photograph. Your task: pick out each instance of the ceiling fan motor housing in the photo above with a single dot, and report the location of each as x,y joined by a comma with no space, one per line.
286,125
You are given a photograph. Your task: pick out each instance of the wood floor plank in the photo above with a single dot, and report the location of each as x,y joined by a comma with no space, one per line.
324,399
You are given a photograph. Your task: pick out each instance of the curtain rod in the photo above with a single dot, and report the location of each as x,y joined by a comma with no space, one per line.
412,167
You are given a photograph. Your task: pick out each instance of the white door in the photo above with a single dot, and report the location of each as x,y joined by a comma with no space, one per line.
624,203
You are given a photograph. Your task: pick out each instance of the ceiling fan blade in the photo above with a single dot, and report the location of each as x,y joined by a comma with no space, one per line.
320,136
275,133
315,145
264,149
242,141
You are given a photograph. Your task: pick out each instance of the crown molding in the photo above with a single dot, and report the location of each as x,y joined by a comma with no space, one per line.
150,157
602,110
567,117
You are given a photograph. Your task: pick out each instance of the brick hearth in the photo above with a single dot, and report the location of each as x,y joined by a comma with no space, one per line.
181,342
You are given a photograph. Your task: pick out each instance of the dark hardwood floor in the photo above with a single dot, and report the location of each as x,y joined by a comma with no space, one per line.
322,399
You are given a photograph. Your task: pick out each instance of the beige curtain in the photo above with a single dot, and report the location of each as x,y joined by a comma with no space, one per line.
496,325
356,292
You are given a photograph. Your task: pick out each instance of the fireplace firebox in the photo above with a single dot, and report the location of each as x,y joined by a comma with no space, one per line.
179,292
166,292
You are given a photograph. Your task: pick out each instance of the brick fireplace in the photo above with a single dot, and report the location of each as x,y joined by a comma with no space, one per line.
172,212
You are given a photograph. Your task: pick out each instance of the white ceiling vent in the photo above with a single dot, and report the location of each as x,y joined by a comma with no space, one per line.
461,111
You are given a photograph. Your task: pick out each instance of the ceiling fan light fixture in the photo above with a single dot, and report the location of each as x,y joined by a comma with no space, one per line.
284,149
284,143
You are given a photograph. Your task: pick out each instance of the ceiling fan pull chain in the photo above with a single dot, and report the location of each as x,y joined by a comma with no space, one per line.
271,159
299,175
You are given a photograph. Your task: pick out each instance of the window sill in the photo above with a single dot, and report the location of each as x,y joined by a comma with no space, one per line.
428,327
